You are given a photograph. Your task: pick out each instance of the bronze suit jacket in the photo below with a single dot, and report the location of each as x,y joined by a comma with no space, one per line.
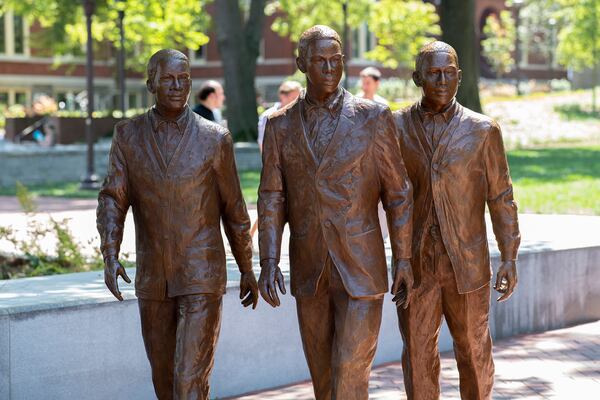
331,206
467,170
177,208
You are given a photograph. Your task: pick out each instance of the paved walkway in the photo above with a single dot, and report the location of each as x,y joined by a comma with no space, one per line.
563,364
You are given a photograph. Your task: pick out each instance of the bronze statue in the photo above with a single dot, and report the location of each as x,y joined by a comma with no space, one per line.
456,162
177,172
328,159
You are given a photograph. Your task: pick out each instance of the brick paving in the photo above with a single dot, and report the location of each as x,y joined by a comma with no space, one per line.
562,364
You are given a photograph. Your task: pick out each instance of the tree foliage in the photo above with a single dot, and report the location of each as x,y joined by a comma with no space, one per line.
499,43
149,25
579,40
401,28
294,17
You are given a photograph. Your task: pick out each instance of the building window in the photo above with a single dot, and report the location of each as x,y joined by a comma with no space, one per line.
132,101
14,34
363,41
19,34
21,98
3,98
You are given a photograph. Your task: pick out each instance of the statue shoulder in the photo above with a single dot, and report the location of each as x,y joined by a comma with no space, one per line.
478,121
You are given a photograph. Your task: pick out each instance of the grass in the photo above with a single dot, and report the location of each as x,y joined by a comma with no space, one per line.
248,179
554,180
557,180
69,190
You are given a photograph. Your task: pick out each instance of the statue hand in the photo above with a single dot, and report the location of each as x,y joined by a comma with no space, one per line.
402,288
112,270
270,278
248,289
506,279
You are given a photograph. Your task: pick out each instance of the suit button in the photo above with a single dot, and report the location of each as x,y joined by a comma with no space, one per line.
166,237
327,224
435,166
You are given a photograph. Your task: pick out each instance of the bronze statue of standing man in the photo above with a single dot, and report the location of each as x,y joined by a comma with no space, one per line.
177,172
328,159
456,162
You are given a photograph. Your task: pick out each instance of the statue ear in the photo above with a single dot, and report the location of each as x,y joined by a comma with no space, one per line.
150,86
301,64
416,76
459,76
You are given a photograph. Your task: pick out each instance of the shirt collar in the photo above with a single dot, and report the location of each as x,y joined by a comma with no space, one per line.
447,113
156,119
333,104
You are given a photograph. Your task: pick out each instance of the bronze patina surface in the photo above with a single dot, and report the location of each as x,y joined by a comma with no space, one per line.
456,162
177,172
328,159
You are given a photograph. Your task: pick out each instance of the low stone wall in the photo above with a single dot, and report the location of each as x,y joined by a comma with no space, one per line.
34,165
90,347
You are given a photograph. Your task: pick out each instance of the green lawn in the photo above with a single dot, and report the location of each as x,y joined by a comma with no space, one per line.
249,181
557,180
61,189
563,180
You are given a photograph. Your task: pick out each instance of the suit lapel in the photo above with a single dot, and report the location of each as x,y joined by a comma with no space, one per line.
301,135
342,129
181,145
448,134
158,156
422,137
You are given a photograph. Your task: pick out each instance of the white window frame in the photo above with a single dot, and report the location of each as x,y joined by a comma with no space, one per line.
9,38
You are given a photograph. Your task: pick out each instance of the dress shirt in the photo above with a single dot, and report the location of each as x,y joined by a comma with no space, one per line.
320,121
168,132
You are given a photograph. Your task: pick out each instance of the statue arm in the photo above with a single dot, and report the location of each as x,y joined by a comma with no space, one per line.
503,211
501,204
396,197
233,207
271,218
113,202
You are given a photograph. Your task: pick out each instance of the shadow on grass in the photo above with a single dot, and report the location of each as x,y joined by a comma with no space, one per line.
555,164
574,112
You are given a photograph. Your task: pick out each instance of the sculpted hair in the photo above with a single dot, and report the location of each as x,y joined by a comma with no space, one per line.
434,47
162,55
317,32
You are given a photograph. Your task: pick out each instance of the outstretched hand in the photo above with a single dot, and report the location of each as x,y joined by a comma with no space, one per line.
271,278
402,288
249,289
506,280
112,270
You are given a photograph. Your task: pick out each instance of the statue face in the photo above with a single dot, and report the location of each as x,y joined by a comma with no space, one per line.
323,66
439,78
172,84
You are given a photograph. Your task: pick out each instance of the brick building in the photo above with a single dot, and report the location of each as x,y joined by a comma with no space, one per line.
26,71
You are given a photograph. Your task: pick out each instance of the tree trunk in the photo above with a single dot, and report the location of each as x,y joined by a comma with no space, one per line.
238,42
458,30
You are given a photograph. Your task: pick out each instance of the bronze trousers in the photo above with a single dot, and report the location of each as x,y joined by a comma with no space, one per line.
180,335
467,318
339,336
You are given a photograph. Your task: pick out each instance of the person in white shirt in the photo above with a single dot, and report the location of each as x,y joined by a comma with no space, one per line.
369,85
288,92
